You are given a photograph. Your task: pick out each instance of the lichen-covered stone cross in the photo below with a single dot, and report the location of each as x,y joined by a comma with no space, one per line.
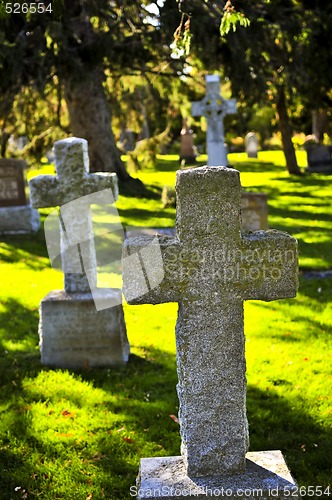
70,190
209,269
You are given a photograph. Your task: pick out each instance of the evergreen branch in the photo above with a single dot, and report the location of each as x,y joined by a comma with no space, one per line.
231,18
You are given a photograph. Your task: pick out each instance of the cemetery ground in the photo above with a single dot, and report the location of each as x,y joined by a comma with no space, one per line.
79,435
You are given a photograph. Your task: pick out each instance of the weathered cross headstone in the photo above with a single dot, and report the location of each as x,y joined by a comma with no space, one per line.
251,145
73,332
210,269
214,108
16,215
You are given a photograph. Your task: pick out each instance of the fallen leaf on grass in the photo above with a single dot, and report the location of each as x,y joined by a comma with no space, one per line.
63,434
128,440
98,456
67,413
176,420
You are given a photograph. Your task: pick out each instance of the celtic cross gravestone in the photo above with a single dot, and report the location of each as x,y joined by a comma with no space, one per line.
214,108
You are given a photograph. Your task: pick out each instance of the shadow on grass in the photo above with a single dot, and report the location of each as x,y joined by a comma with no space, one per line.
302,214
316,295
256,166
18,324
277,423
145,214
16,248
317,289
169,165
143,396
139,190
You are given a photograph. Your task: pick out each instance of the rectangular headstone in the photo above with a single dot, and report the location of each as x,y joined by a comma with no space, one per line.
73,334
319,158
12,185
19,220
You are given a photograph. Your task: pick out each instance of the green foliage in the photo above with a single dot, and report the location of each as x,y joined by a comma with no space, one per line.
43,51
231,20
2,9
262,120
145,152
182,38
168,197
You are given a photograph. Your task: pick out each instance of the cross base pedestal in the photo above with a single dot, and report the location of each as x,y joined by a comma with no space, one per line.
267,477
73,334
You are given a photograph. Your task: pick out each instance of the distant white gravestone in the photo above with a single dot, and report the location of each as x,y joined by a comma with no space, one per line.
210,268
251,144
214,108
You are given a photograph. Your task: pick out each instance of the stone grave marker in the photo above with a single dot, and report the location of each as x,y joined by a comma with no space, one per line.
16,215
251,145
81,326
319,158
214,108
254,212
187,149
210,268
12,185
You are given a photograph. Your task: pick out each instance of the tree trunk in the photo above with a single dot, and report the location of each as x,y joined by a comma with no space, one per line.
4,138
90,119
286,132
319,124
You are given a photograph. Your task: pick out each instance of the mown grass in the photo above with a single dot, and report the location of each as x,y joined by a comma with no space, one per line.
80,435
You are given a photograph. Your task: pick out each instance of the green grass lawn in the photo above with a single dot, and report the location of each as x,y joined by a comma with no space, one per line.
79,435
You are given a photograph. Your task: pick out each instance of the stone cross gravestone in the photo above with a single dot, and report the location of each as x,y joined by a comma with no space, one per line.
210,269
16,215
73,333
214,108
72,184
